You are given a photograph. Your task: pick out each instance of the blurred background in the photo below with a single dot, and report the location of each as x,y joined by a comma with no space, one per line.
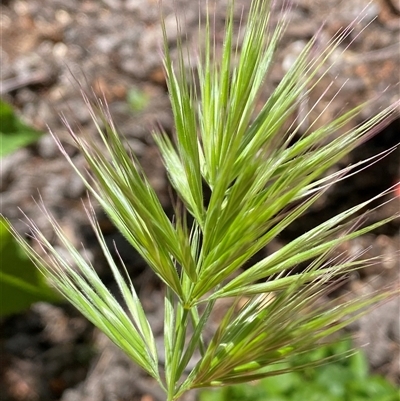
50,49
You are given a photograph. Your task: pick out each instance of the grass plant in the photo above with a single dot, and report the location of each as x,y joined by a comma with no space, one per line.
262,173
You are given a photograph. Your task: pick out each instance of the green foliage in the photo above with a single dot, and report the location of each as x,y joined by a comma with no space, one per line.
21,283
260,181
340,379
137,99
14,134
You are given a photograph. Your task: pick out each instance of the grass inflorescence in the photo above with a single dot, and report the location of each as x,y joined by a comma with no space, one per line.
260,181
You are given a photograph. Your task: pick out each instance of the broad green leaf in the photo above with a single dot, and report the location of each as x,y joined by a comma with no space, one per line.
14,134
21,283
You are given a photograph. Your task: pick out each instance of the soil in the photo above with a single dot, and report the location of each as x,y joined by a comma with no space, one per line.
51,352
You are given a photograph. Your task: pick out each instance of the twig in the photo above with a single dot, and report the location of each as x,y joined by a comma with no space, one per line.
34,78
